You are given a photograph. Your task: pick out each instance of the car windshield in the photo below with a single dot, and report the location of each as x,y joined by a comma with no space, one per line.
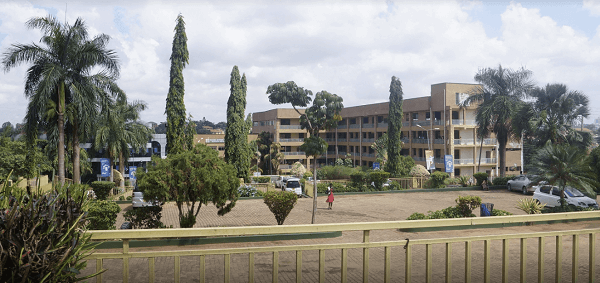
293,184
572,192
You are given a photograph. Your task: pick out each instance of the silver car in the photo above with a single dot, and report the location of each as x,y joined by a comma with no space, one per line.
520,183
550,195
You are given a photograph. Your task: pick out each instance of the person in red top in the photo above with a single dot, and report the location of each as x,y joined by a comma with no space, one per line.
330,195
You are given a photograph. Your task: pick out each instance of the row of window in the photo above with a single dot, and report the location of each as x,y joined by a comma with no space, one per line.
264,123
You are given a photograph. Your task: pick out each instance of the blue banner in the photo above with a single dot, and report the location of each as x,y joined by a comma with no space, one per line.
104,167
449,163
132,171
375,165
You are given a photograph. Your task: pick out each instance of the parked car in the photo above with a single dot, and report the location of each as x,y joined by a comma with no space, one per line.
137,199
521,183
293,185
280,182
550,195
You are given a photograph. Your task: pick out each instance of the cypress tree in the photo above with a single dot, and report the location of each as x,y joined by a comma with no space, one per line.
394,145
175,108
237,151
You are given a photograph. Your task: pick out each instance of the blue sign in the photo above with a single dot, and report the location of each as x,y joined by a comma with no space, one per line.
132,171
104,167
375,165
449,163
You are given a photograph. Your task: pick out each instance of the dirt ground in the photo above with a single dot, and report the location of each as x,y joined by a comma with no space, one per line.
361,208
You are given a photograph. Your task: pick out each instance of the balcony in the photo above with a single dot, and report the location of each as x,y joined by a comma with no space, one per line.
368,126
422,123
354,126
285,167
464,141
405,124
463,161
487,161
291,140
330,139
341,126
331,153
405,140
368,140
488,141
382,125
457,121
290,127
438,122
438,141
438,160
368,154
421,141
470,122
354,140
341,153
294,153
422,159
342,139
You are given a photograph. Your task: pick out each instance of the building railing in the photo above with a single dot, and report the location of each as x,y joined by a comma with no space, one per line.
438,141
486,160
284,166
405,140
438,160
368,126
422,123
464,141
290,127
419,158
331,153
341,126
487,141
382,125
291,140
354,140
294,153
463,161
368,154
423,141
457,121
342,139
428,249
405,124
368,140
438,122
342,153
354,126
215,140
470,122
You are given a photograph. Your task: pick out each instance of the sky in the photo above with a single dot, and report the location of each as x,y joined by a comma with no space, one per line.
350,48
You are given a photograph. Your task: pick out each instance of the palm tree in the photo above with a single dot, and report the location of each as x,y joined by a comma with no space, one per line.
499,92
561,165
59,68
119,129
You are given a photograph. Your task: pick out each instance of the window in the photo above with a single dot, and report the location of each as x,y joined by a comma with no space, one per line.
285,121
255,124
427,116
456,154
379,119
352,121
414,152
456,134
415,116
454,115
365,120
262,123
301,135
342,123
438,153
456,172
221,148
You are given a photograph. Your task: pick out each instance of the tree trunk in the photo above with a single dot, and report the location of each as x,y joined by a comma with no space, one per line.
110,161
502,156
314,213
480,151
61,135
76,168
122,170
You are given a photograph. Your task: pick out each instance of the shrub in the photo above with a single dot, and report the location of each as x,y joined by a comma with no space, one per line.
395,186
419,171
378,178
280,203
337,188
334,172
466,205
102,215
41,236
298,169
530,206
262,179
437,179
499,212
102,189
147,217
121,197
480,177
248,191
417,216
307,174
449,212
500,181
463,180
358,179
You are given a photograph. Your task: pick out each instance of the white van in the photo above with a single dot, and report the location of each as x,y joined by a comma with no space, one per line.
293,185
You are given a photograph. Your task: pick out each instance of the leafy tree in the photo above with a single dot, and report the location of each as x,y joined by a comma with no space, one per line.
324,114
7,130
237,151
14,155
60,74
563,165
394,143
175,108
192,179
499,94
263,142
280,203
276,156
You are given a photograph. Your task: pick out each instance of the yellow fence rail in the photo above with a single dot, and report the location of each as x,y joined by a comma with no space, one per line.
366,245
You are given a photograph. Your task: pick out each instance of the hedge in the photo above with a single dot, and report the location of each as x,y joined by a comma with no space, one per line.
102,189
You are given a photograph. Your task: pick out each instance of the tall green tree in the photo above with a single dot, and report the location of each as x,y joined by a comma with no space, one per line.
394,145
175,109
62,65
263,142
499,93
192,178
324,114
237,151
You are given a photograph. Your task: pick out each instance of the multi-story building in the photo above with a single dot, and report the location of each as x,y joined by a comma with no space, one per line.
217,141
436,122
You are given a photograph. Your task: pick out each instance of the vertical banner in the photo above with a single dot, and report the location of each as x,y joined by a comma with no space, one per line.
132,171
449,163
429,159
104,167
376,166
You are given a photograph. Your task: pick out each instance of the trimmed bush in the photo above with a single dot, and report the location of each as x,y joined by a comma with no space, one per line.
499,212
466,205
358,179
480,177
280,203
530,206
102,189
438,179
500,181
147,217
298,169
261,179
337,188
378,178
102,215
395,186
334,173
419,171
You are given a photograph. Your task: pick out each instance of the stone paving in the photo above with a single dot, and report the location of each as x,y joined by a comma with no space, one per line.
350,208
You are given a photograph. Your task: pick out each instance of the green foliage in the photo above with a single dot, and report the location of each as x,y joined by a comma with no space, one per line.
102,189
499,212
402,166
530,206
192,179
280,203
314,146
335,173
378,178
419,171
307,174
480,177
466,204
248,191
358,179
298,169
175,106
417,216
102,215
395,186
395,165
565,208
15,156
463,180
147,217
437,179
500,181
594,163
262,179
337,188
449,212
237,151
41,238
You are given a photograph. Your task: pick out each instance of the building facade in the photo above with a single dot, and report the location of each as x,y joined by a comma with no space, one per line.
436,122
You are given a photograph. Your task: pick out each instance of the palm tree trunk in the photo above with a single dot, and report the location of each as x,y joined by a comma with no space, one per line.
480,151
314,213
502,156
61,134
110,161
76,154
122,169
